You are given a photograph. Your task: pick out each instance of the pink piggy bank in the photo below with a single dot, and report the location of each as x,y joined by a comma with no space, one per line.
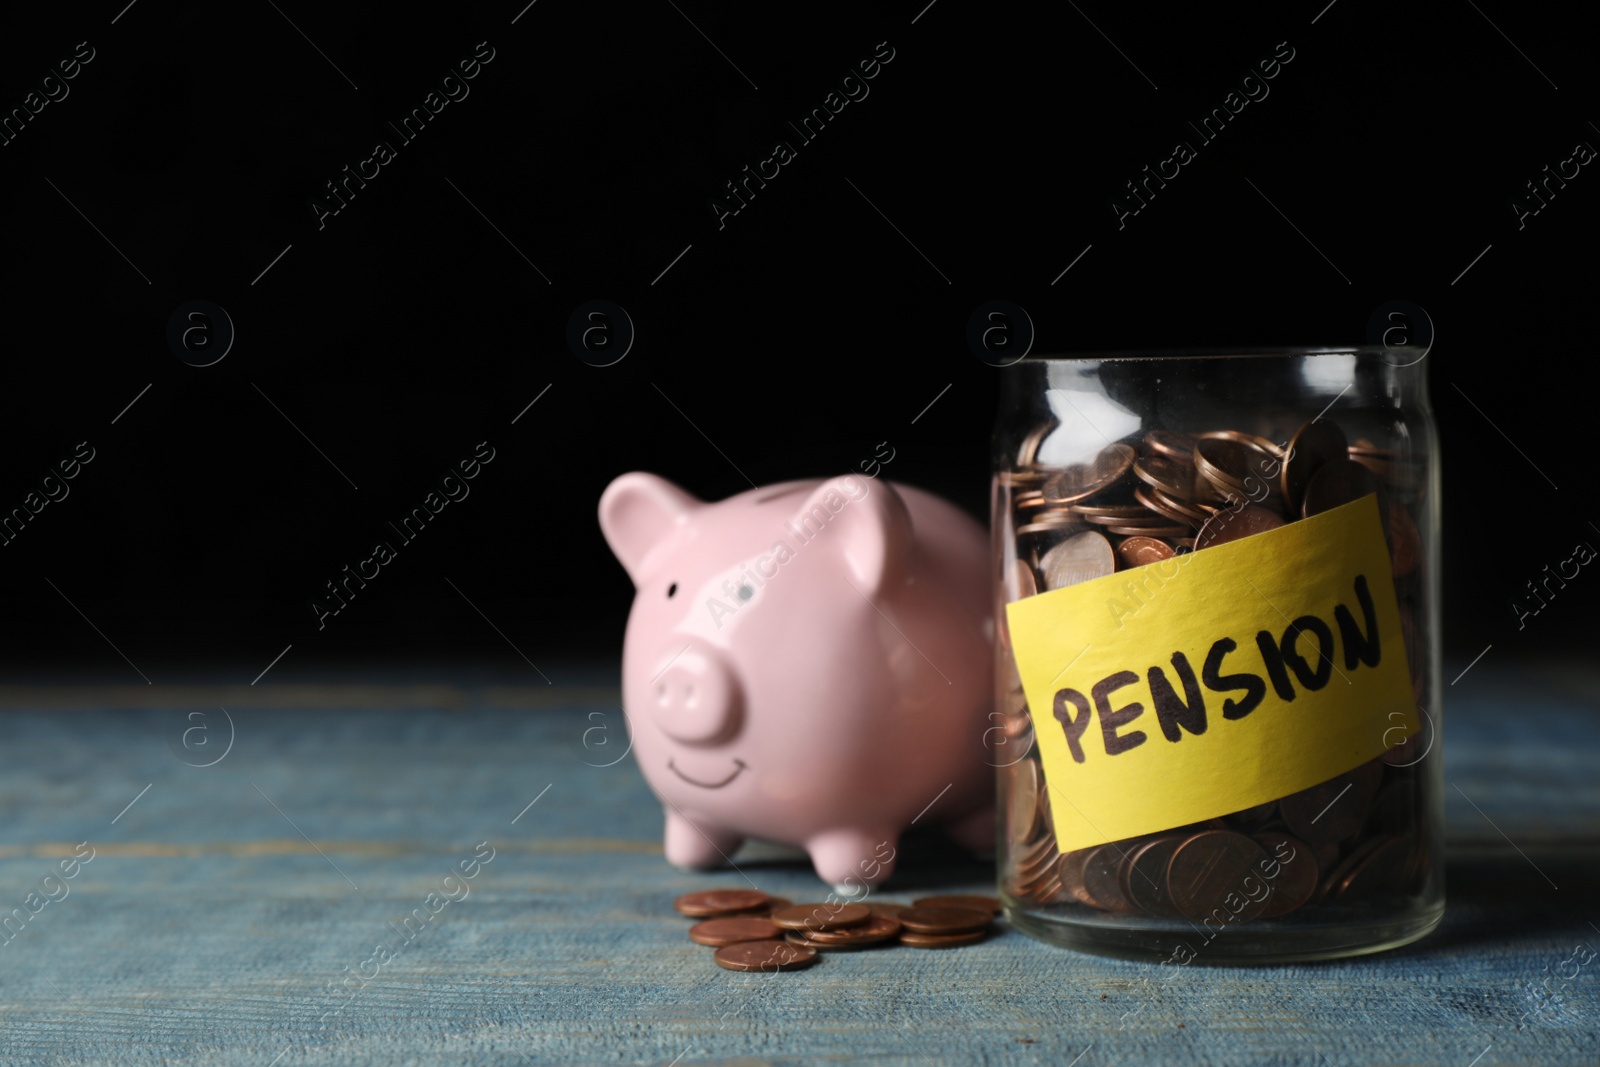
807,663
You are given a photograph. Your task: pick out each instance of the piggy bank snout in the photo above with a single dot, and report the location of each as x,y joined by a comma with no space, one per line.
695,698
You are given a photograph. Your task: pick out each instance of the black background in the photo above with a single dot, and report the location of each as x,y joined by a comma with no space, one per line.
796,337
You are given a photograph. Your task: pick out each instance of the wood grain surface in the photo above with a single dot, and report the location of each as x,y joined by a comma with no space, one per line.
225,905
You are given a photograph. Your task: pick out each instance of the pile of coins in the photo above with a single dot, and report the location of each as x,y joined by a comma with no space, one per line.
752,931
1155,498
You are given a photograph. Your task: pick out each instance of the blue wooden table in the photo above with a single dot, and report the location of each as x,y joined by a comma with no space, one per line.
233,913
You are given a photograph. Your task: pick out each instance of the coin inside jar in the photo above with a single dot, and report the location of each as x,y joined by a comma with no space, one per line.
1146,875
1333,810
1297,875
1317,443
1337,483
1235,524
765,956
1085,479
1139,551
1080,558
1102,879
1209,871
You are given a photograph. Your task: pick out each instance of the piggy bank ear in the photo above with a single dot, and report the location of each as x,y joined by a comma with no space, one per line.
862,523
641,515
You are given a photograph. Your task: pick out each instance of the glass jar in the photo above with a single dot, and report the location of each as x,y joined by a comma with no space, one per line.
1218,663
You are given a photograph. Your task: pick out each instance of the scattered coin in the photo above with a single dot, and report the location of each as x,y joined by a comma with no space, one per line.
814,917
731,930
916,940
988,904
874,930
944,920
711,903
765,956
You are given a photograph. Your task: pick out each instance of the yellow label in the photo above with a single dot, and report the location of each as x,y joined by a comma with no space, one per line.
1215,681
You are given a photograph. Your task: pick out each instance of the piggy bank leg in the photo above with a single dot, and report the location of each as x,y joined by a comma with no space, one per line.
853,859
696,845
975,832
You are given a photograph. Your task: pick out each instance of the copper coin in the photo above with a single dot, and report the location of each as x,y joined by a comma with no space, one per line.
1168,475
1381,868
1173,445
1153,500
884,909
1102,879
1179,510
1235,524
1022,802
1140,551
874,930
1209,870
765,956
1079,558
1250,820
916,940
1317,443
1105,513
1027,500
960,900
814,917
944,920
1129,515
1395,807
1030,444
732,930
711,903
1405,540
1333,810
1069,869
1083,480
1250,440
1336,483
1051,527
1146,874
1225,464
776,904
1297,878
795,937
1150,531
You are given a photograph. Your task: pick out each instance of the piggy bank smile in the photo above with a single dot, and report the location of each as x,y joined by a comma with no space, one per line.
739,766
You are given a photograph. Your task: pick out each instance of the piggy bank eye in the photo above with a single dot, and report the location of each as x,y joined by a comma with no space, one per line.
672,590
746,592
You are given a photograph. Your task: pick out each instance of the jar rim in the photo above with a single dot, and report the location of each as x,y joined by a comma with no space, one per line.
1211,352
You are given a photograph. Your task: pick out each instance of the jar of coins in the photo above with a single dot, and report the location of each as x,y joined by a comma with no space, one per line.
1217,685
